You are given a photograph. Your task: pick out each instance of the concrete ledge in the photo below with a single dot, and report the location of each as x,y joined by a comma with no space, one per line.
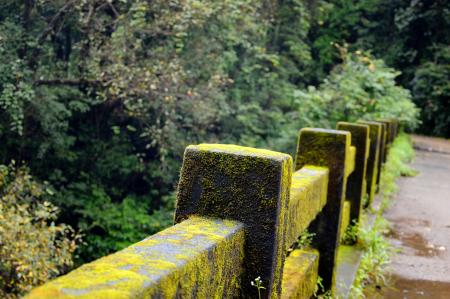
356,184
345,222
300,274
326,148
248,185
349,258
350,160
308,195
198,258
376,138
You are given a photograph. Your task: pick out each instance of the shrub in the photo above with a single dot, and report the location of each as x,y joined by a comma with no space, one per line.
33,248
361,87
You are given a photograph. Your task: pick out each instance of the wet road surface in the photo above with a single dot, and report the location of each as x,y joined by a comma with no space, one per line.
420,218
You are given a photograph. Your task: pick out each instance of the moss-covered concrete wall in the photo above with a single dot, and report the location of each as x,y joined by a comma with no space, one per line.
345,222
327,148
239,210
356,185
300,274
248,185
198,258
384,143
373,158
308,197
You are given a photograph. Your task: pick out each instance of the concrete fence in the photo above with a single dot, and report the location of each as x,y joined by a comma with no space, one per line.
240,212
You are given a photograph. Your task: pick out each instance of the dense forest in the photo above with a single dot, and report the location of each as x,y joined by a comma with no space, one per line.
99,98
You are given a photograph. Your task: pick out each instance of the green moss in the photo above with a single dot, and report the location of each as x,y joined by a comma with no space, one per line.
199,258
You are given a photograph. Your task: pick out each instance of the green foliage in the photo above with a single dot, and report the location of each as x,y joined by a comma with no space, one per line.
351,234
376,257
360,87
319,291
33,248
412,36
400,154
100,98
431,90
15,91
304,240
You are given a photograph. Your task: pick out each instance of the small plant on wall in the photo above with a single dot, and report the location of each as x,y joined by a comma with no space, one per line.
257,283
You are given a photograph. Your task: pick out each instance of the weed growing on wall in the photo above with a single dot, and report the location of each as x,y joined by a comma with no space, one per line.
351,234
305,239
257,283
319,291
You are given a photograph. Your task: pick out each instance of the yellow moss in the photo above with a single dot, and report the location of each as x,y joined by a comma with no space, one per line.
236,149
345,221
282,224
189,255
350,160
197,274
308,197
321,137
374,157
300,274
250,185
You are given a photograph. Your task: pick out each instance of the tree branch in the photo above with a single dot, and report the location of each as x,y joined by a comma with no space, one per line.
69,82
55,19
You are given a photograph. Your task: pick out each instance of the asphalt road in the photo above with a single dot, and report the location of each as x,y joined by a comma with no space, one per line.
420,218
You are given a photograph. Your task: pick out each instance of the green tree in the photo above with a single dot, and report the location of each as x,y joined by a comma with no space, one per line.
410,35
101,97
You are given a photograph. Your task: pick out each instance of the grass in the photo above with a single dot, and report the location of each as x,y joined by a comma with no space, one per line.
375,260
400,154
377,250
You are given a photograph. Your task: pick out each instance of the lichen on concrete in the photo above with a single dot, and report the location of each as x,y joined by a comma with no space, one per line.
345,222
350,160
373,158
198,258
248,185
356,183
308,197
389,129
300,274
326,148
384,144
